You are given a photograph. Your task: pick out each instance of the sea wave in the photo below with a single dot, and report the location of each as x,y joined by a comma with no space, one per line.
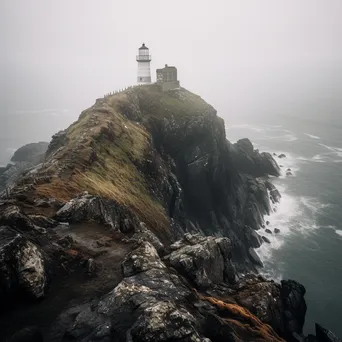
312,136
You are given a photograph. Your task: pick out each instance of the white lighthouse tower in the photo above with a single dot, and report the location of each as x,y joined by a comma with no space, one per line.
144,69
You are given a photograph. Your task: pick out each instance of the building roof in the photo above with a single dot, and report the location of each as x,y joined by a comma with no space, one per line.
143,47
167,67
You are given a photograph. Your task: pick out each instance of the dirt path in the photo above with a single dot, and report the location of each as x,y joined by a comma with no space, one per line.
71,283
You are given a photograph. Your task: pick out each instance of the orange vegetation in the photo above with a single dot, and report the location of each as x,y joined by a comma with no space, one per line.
253,324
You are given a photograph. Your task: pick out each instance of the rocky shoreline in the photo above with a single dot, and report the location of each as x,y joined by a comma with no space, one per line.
141,224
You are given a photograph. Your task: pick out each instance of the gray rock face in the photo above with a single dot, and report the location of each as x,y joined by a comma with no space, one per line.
153,303
145,306
252,162
282,306
294,305
23,159
21,265
88,207
204,260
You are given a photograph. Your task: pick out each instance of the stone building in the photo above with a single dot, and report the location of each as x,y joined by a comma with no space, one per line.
167,78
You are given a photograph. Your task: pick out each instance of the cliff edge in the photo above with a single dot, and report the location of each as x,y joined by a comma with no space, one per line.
141,225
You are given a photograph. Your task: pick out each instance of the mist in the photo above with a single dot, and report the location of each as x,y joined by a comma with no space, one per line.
251,59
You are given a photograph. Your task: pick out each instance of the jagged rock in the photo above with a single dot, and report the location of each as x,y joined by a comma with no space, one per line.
254,239
274,193
144,234
292,294
276,230
288,173
282,156
267,223
204,260
253,162
142,307
266,239
88,207
13,216
200,182
152,304
11,174
269,231
325,335
58,140
21,265
255,257
288,170
143,259
43,221
282,306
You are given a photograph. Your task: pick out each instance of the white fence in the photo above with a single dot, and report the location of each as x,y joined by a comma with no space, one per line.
121,90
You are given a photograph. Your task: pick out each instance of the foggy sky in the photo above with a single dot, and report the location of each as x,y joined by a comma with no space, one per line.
242,56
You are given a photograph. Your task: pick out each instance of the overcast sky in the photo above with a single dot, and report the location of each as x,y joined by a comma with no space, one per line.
242,56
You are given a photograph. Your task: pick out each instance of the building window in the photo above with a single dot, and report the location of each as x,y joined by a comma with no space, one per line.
140,78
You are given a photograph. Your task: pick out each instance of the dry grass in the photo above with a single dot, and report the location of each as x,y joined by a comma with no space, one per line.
104,150
102,154
61,189
253,324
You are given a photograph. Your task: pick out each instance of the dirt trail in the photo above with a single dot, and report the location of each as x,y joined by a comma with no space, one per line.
71,283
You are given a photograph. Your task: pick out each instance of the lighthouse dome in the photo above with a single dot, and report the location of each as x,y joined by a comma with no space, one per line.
143,47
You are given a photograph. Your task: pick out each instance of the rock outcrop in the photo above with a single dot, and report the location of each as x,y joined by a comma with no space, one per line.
33,153
21,266
24,158
152,303
204,260
141,225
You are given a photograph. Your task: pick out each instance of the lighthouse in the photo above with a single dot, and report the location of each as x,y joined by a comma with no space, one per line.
144,69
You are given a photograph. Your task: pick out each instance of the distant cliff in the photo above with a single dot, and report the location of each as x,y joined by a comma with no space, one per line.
145,197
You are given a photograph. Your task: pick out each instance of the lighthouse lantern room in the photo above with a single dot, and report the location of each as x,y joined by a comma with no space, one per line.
144,69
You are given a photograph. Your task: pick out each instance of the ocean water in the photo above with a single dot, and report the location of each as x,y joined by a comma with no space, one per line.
309,216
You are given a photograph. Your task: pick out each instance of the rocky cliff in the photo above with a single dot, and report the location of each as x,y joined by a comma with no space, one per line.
141,225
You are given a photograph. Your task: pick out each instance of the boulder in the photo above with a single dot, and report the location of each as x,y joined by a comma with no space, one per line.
13,216
203,260
276,230
282,156
268,231
252,162
288,173
87,207
22,265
